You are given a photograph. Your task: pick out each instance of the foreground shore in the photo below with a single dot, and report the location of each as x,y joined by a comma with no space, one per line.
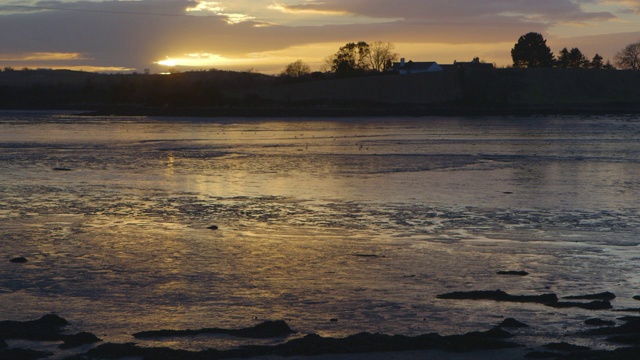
620,339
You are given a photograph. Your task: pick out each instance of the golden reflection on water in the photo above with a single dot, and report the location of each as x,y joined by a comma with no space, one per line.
365,223
169,164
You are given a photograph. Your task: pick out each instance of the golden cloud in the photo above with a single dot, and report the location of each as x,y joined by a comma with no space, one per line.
43,56
305,9
216,8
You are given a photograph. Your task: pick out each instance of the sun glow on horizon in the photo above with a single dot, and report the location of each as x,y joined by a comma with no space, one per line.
203,60
168,62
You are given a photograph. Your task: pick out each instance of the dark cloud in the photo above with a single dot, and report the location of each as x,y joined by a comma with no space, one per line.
458,10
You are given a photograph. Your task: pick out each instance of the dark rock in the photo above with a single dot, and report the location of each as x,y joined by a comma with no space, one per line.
79,339
499,295
637,297
3,344
629,318
116,351
333,320
267,329
51,320
594,305
317,345
599,322
630,327
564,346
626,339
600,296
542,355
19,260
627,310
213,227
496,333
513,272
624,353
23,354
512,323
61,169
479,341
47,328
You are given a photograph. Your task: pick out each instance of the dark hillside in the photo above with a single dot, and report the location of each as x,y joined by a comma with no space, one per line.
570,86
225,93
63,89
426,88
497,89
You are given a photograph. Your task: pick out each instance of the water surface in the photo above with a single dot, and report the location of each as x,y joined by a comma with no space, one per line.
362,220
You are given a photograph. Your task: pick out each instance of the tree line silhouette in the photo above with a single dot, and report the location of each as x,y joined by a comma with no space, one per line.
531,51
66,89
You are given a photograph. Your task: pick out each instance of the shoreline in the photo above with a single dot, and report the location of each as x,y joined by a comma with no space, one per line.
373,111
509,339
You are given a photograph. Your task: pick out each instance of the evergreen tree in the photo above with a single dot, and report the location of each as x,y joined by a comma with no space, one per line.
563,58
530,51
596,62
577,59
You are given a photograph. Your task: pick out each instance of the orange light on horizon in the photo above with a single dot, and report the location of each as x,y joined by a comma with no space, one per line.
206,60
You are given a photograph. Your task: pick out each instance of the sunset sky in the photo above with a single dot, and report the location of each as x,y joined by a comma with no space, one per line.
265,35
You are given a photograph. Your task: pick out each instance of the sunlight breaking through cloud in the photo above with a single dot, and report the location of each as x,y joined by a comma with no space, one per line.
216,8
211,6
302,9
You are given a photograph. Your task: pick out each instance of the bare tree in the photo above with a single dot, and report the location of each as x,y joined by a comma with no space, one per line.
629,57
381,55
296,69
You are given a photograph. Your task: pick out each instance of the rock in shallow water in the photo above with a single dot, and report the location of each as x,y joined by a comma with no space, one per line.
512,323
79,339
565,346
499,295
267,329
599,322
599,296
593,305
45,328
513,272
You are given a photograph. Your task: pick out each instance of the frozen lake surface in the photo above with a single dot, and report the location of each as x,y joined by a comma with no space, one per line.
360,220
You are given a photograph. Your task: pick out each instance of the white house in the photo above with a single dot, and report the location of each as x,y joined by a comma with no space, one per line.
410,67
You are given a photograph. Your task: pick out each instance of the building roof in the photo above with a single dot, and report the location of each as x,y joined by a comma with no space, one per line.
413,66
